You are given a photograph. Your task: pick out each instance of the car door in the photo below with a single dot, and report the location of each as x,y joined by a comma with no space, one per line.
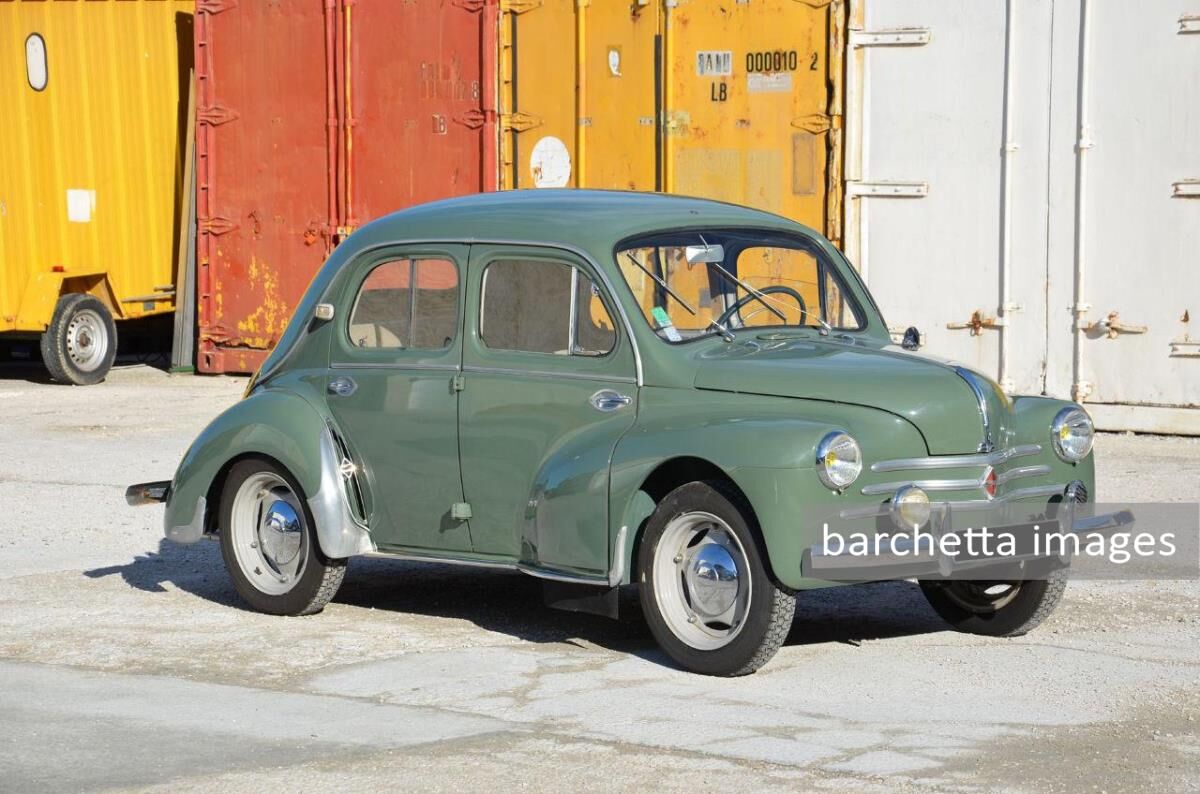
393,362
549,387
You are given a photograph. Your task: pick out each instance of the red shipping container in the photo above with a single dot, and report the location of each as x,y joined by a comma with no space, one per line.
316,119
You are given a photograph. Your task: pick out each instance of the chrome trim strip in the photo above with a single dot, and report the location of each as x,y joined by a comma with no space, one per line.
557,576
1022,471
543,373
957,461
520,567
927,485
616,571
955,485
987,445
396,365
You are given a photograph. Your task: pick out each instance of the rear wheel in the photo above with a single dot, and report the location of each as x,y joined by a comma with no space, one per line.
705,591
269,542
996,608
79,345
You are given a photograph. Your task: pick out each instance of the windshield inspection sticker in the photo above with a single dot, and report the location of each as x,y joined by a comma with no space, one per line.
665,325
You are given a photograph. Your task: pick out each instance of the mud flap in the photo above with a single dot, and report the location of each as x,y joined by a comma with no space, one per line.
594,600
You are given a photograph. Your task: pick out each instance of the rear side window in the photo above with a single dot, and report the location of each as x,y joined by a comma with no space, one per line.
538,306
406,304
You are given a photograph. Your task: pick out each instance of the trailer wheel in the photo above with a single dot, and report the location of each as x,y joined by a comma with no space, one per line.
80,343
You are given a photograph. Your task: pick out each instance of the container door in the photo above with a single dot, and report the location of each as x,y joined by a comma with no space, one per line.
415,87
747,104
581,85
927,185
549,387
1141,228
262,181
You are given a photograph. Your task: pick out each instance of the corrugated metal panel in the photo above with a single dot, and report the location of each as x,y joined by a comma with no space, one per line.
1054,243
316,119
747,104
91,168
582,80
733,101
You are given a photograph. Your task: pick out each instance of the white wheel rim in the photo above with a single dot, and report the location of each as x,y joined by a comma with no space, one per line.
268,534
87,340
702,580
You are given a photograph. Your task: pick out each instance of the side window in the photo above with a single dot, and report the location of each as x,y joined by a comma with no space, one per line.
389,313
537,306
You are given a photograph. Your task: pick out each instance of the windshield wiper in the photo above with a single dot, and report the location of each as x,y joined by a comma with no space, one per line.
758,295
659,282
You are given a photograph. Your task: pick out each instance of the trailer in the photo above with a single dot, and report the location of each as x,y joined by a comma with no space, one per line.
91,172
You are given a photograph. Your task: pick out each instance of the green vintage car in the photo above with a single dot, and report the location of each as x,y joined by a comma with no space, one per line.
606,388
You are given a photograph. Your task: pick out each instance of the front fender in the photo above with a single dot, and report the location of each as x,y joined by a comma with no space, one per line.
286,428
765,445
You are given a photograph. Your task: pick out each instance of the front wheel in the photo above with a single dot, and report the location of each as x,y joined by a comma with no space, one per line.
996,608
269,542
705,591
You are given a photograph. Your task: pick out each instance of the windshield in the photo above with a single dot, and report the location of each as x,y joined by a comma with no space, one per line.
695,284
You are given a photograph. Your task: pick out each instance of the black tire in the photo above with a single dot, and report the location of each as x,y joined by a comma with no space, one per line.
768,616
1035,599
319,578
80,344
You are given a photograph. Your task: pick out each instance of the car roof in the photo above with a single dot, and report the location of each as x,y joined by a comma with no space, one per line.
589,219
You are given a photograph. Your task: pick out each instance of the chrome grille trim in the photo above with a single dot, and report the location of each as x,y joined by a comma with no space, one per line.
957,461
958,485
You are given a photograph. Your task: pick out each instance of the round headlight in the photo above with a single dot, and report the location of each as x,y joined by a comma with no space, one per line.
910,508
1072,434
839,460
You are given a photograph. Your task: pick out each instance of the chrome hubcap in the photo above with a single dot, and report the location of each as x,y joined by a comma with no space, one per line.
701,580
87,340
268,533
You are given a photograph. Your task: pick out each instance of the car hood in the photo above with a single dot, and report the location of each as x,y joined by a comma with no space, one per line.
942,399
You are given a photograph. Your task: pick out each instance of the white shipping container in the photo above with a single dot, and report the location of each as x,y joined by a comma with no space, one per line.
1022,186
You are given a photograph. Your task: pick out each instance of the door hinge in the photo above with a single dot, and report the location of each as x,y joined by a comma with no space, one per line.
216,225
895,37
215,115
816,123
519,6
458,383
1186,188
1189,23
519,121
460,511
855,189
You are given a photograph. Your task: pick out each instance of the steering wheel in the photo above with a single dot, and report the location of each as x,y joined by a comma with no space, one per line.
728,314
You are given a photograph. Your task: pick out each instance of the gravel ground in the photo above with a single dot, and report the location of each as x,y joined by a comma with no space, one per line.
128,662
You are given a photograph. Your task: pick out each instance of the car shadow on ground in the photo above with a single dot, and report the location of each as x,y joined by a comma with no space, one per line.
512,603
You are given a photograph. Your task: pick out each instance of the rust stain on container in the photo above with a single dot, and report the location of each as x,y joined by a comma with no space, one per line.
314,120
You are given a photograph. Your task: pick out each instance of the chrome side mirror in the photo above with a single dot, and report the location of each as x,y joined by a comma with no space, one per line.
912,338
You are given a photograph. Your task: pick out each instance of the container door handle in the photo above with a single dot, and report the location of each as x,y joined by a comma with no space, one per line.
342,387
609,400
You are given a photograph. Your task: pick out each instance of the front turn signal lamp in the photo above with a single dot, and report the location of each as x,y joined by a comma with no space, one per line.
839,460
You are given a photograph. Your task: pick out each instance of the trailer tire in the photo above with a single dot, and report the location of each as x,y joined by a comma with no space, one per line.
79,345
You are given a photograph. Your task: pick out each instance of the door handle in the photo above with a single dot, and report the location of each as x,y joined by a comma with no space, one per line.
609,400
341,387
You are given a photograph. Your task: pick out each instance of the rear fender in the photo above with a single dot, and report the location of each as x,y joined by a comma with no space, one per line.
285,428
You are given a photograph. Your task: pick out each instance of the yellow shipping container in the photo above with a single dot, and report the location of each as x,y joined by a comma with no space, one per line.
91,170
733,101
